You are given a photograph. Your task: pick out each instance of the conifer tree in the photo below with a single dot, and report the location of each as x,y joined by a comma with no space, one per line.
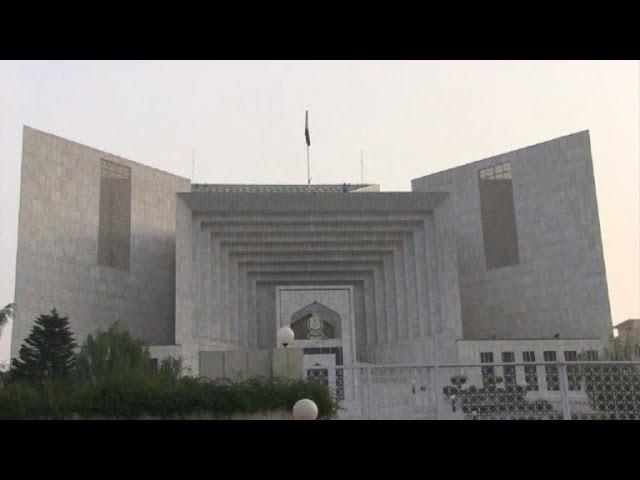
47,352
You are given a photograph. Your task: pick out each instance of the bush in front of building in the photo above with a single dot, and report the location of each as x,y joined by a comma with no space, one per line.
189,397
112,377
112,352
158,397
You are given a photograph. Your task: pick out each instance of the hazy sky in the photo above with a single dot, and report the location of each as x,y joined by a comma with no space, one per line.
246,122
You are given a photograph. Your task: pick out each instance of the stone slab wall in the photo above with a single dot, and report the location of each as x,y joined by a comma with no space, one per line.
559,285
239,364
58,244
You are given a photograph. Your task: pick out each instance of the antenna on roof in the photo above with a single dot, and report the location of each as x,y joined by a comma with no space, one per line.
193,165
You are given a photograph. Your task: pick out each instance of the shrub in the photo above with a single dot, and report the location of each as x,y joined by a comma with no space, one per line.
161,396
115,379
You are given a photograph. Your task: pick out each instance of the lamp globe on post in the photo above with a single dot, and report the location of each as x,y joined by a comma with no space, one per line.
305,409
285,336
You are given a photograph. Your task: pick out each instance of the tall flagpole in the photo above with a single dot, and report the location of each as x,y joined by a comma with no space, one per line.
308,171
307,138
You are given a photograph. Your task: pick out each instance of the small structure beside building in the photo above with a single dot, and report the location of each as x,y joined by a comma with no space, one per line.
629,331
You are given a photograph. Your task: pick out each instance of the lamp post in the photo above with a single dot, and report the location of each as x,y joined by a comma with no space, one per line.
285,336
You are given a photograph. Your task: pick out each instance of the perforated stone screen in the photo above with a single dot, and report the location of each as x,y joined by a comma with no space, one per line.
114,223
498,216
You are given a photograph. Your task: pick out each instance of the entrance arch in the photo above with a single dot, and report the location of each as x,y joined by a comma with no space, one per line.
316,322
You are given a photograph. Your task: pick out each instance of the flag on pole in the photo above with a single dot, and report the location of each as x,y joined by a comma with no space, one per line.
306,127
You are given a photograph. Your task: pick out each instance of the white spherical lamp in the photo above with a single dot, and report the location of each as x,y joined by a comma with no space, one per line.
305,409
285,336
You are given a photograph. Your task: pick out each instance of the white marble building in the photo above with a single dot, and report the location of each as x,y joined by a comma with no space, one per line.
504,249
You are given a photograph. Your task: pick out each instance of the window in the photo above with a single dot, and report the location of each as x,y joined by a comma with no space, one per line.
570,355
486,357
591,355
530,373
114,216
572,375
498,216
488,372
551,371
509,372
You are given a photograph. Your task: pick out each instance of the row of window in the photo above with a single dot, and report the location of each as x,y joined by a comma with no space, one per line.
552,377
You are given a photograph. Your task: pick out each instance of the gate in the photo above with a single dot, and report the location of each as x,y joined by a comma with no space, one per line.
488,391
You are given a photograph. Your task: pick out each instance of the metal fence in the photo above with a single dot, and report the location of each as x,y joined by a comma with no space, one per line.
608,390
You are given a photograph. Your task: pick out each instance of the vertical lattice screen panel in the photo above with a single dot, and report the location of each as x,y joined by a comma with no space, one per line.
114,227
498,216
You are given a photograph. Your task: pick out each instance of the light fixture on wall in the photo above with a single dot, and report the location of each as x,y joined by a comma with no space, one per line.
285,336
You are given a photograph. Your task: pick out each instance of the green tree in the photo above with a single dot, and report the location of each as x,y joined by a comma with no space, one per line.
47,353
111,353
6,314
613,389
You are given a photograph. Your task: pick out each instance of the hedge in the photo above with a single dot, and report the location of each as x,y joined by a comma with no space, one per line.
132,397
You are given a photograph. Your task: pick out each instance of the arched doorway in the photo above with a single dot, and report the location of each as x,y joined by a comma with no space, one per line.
316,322
319,329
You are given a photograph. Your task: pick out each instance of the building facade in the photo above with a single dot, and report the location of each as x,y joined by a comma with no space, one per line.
504,251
